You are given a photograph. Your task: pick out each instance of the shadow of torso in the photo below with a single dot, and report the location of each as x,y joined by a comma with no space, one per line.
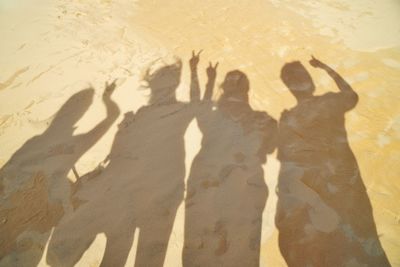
226,191
34,188
324,215
141,187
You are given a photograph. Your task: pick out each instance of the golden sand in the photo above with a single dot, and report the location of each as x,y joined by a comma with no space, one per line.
51,50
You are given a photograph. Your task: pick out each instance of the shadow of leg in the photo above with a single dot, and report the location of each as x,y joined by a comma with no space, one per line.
153,243
66,252
117,248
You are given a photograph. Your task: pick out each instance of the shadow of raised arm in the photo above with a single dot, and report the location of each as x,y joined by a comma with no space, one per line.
211,75
113,111
344,87
194,78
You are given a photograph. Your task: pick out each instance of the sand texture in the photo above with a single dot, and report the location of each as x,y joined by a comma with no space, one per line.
199,133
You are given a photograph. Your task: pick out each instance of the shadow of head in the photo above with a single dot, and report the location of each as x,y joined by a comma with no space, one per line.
72,110
298,80
163,82
236,85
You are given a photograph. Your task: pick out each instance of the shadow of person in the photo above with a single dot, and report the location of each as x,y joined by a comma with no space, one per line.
35,190
226,191
324,215
140,188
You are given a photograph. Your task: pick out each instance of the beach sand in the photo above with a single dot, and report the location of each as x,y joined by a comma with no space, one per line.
51,50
